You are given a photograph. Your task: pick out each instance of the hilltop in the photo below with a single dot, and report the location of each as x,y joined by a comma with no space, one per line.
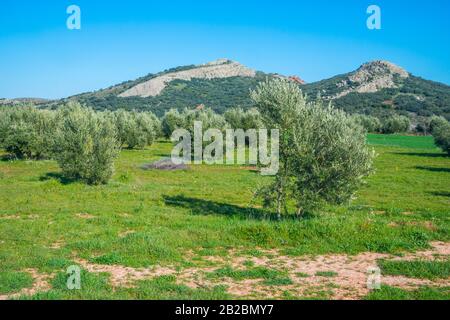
376,88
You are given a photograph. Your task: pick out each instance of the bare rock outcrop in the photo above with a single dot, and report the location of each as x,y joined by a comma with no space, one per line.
221,68
371,77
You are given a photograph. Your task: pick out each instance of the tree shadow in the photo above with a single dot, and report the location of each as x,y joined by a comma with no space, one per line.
433,169
8,157
440,193
422,154
207,207
57,176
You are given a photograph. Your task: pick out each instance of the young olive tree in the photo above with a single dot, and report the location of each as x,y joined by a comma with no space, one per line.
208,118
370,123
136,130
441,132
323,154
171,121
86,144
396,124
240,119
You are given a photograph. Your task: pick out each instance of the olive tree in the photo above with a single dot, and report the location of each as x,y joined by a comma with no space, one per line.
26,132
171,121
240,119
323,156
86,144
135,129
440,128
370,123
396,124
208,118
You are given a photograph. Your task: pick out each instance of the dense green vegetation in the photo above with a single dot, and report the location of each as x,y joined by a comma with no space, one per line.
417,269
413,95
218,94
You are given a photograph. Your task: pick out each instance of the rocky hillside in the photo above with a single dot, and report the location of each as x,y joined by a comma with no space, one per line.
376,88
219,69
381,87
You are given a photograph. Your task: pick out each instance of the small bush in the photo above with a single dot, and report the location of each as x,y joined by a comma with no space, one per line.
86,144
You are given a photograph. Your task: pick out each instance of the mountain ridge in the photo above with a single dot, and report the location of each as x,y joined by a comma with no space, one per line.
377,87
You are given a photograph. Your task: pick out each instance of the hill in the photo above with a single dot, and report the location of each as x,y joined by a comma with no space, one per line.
376,88
219,84
379,88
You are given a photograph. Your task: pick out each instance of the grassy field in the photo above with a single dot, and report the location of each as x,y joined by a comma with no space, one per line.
199,222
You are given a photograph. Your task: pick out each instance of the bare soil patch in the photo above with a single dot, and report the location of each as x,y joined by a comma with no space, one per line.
40,284
349,281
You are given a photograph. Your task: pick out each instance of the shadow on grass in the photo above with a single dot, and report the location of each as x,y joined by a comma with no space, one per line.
8,157
57,176
207,207
433,169
440,193
422,154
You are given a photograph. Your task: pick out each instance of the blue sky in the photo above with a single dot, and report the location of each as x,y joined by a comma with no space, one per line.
122,40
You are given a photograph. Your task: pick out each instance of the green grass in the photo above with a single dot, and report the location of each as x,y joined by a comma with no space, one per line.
11,282
328,274
414,142
278,281
207,210
424,293
416,269
251,273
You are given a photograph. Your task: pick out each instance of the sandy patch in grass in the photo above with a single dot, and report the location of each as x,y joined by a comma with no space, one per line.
10,217
40,284
125,276
84,215
424,224
125,233
349,282
57,245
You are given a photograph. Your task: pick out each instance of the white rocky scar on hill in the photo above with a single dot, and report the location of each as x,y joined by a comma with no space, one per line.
371,77
221,68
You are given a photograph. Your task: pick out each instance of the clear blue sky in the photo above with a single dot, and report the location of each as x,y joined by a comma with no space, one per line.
122,40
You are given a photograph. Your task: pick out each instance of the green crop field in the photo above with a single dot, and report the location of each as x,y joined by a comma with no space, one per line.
196,234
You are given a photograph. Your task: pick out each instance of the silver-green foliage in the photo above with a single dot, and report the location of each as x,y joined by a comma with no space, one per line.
323,153
396,124
370,123
86,144
440,128
171,121
136,129
208,118
26,132
237,118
